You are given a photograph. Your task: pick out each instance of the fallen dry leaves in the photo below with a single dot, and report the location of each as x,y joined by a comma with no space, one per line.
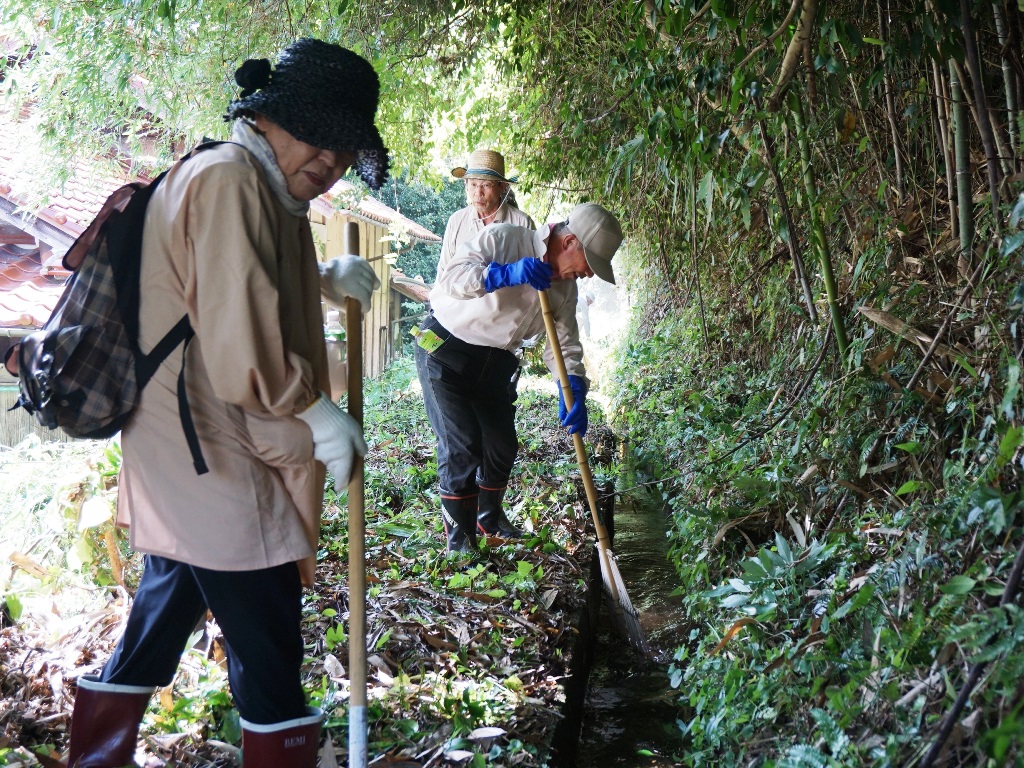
463,657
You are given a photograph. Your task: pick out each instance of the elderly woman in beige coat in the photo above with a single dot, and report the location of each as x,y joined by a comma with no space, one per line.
227,242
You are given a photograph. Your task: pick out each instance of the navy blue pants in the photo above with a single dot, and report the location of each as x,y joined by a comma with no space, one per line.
259,613
470,393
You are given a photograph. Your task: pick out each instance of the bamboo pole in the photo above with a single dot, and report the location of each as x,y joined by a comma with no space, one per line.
988,138
890,110
693,250
818,237
603,544
357,724
787,214
962,154
1009,81
864,125
941,106
794,51
1002,151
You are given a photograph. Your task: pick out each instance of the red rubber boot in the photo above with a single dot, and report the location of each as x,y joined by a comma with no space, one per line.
105,724
290,744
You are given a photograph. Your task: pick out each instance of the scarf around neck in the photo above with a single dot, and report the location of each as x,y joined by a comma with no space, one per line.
245,133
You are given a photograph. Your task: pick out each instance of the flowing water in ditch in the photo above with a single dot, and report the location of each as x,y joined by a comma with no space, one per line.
630,712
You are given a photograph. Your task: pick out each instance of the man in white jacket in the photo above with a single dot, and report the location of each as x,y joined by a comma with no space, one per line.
483,305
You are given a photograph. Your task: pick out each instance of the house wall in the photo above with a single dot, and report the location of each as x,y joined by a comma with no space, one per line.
377,347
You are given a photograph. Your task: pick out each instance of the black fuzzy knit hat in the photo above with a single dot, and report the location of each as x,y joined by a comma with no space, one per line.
323,95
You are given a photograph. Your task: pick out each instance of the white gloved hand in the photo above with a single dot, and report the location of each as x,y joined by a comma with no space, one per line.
336,438
348,276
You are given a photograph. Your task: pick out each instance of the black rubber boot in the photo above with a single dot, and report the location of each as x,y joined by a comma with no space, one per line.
105,723
490,517
459,523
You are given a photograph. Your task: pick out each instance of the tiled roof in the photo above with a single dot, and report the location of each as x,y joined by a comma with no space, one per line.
29,290
413,287
27,295
71,207
371,209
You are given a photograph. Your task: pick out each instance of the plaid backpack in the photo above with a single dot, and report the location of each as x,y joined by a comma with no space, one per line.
84,370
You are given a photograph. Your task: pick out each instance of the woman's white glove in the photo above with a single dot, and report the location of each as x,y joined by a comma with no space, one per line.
348,276
336,438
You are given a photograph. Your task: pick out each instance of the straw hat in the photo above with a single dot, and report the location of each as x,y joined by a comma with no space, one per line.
323,95
484,164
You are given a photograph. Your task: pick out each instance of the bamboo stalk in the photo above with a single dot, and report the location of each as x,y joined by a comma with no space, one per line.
693,249
812,88
818,237
357,725
947,156
791,58
1001,149
962,156
890,109
862,113
787,213
1009,81
1015,21
984,123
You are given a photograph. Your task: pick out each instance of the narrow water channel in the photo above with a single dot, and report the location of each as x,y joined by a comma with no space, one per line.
630,711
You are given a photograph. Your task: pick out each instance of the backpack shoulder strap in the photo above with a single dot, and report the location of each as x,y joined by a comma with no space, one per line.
181,334
185,413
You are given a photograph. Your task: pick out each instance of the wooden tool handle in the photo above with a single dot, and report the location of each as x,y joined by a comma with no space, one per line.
577,439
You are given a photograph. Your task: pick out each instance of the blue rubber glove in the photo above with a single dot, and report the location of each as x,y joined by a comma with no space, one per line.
576,418
529,270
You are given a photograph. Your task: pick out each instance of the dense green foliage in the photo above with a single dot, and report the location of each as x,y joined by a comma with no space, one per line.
841,549
428,208
824,240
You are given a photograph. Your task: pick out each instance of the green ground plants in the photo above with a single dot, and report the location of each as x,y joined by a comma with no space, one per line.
467,657
843,547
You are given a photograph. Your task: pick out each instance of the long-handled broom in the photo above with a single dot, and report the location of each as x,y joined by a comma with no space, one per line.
624,615
357,726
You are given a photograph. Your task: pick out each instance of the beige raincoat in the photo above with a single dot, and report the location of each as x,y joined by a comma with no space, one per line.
220,247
